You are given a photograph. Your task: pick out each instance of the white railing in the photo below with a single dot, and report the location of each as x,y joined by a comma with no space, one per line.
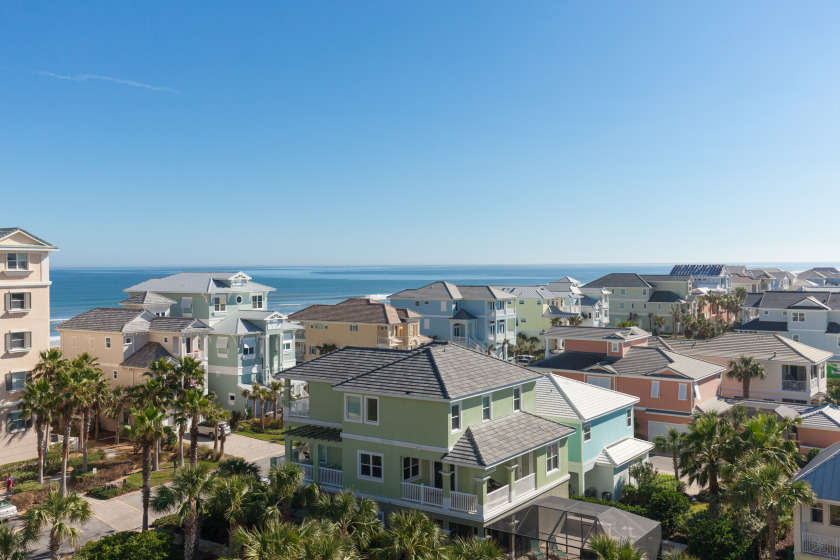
524,485
422,494
307,471
819,545
498,497
459,339
463,502
388,340
815,383
793,385
329,477
195,355
299,407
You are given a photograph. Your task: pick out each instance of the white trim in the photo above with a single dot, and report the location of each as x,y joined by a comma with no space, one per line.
366,399
402,468
460,418
323,423
359,475
361,408
369,439
489,397
515,409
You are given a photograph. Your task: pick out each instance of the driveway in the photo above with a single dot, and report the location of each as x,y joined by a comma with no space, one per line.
250,449
665,465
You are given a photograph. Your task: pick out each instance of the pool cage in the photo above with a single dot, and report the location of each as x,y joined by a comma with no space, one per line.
556,527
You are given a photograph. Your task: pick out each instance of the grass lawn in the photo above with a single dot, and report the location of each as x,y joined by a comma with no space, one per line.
274,436
698,506
157,478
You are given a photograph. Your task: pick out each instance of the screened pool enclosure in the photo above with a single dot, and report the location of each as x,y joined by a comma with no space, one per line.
555,528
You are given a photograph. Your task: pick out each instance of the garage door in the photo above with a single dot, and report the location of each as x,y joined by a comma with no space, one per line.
661,428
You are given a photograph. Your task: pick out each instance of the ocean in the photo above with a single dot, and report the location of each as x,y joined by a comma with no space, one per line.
76,290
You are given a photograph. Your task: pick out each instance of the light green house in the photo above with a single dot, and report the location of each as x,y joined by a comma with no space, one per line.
247,343
443,429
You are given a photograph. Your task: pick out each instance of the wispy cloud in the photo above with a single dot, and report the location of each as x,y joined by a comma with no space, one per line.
88,77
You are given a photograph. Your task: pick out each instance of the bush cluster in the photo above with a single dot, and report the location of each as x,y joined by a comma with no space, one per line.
128,545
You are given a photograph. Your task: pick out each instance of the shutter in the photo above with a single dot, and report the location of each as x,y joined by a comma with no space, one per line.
8,341
221,342
27,300
8,382
27,340
8,300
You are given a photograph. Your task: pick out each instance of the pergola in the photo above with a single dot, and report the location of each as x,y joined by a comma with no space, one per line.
561,528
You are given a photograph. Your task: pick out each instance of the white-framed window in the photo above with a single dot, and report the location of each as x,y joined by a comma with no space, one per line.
629,417
587,432
517,399
231,398
614,346
683,391
248,351
654,389
486,412
817,512
552,457
371,466
455,417
312,350
238,299
17,261
599,381
797,317
794,337
219,304
696,389
623,292
501,329
257,301
127,341
108,341
186,304
16,422
371,410
287,346
490,306
353,408
410,468
644,291
354,328
442,305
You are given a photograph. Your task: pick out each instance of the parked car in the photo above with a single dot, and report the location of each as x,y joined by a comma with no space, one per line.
524,359
207,429
7,510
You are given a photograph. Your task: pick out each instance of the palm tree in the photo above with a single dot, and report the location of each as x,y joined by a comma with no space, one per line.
574,320
660,322
189,373
745,369
90,399
676,315
14,543
195,405
70,390
671,441
412,536
39,401
476,549
213,416
118,399
50,363
186,495
767,439
606,548
147,430
253,394
276,539
157,391
60,513
283,484
355,517
322,541
229,495
276,388
704,448
224,417
769,488
266,396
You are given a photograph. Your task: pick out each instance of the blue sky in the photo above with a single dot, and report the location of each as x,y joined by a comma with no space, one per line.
275,133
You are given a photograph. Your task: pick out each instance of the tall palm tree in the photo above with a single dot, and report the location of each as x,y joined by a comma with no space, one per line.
213,416
767,437
252,394
89,400
574,320
476,549
355,517
148,428
412,535
118,399
229,495
50,363
39,401
276,539
672,441
14,543
284,483
186,494
276,388
190,374
195,405
224,416
59,513
180,419
769,488
704,449
266,396
745,369
676,315
659,321
71,387
606,548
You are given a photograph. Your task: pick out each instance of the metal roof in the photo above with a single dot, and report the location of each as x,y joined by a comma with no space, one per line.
200,283
595,333
823,474
761,346
623,451
566,398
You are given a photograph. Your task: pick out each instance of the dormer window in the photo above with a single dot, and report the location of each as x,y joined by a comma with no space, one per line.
257,301
615,347
219,304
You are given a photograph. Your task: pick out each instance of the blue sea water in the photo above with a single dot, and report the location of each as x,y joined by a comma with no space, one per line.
76,290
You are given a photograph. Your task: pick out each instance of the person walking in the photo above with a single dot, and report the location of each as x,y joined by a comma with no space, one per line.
10,485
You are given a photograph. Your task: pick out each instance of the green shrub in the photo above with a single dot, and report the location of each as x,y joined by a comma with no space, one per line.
128,545
206,453
628,508
30,486
712,534
669,508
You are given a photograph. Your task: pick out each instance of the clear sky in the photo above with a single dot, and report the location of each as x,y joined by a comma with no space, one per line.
274,133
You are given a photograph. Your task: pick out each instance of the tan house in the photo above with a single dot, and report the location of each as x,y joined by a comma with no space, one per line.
357,322
25,322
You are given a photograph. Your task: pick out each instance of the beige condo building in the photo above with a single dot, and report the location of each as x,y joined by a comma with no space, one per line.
25,323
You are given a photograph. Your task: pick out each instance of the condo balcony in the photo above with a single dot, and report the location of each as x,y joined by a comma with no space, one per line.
820,545
299,408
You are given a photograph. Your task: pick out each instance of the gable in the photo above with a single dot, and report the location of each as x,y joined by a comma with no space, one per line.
22,239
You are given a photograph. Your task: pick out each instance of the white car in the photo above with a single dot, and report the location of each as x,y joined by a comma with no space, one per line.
207,429
7,510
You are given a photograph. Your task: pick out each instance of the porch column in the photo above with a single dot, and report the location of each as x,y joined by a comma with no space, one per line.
481,492
511,481
315,457
265,370
288,450
446,473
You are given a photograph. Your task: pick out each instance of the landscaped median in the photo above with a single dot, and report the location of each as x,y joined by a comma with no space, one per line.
273,431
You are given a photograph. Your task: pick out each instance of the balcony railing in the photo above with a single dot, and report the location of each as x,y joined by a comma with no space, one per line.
794,385
388,341
460,501
329,477
525,484
498,497
422,494
308,471
299,407
819,545
195,355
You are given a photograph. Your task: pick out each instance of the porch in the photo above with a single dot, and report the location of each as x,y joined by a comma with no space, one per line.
820,545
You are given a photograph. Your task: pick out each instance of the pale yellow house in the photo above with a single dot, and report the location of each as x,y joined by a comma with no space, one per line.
357,322
25,322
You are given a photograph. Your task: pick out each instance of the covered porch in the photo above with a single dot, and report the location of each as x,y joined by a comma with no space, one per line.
318,455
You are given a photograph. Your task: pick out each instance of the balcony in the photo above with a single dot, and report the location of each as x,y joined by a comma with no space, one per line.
794,385
506,312
819,545
422,494
196,355
389,341
308,471
299,408
330,477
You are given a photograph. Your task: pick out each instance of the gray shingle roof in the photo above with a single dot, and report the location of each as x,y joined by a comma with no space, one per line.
356,310
639,360
698,270
464,315
147,298
823,473
665,277
595,333
177,324
665,297
8,231
148,354
438,370
445,290
500,439
109,319
198,283
789,300
761,346
619,280
528,292
763,326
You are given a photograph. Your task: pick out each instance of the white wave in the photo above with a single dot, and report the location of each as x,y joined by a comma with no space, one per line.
377,297
59,320
55,341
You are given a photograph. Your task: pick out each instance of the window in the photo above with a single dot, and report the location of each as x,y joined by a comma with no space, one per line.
552,457
416,304
539,302
683,394
238,299
501,329
18,341
587,432
20,301
248,351
16,381
426,324
621,305
521,302
166,339
372,410
410,468
629,417
623,292
353,408
517,399
644,306
632,306
795,337
455,414
486,413
312,350
186,304
219,304
115,374
614,346
287,346
817,513
231,398
834,515
524,320
697,391
442,305
257,301
354,328
370,466
654,389
17,261
16,422
797,317
599,381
